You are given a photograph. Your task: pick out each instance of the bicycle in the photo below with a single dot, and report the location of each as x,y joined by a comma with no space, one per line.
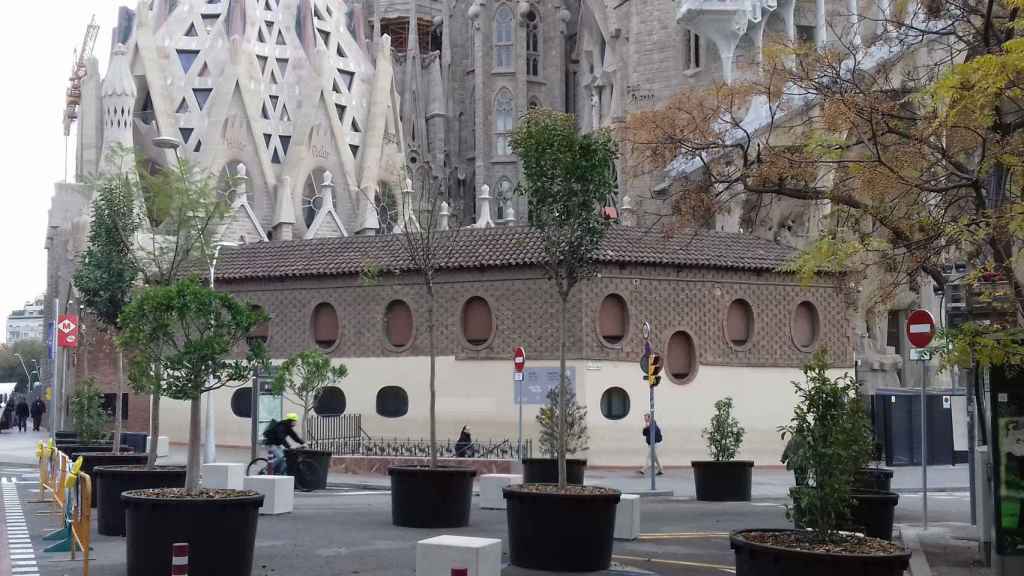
306,470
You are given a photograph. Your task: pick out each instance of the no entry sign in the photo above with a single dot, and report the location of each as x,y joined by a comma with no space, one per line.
518,363
920,328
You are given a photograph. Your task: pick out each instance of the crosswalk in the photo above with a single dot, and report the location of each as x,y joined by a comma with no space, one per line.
19,551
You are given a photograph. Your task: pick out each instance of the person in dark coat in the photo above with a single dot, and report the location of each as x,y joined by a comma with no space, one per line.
21,413
38,409
464,445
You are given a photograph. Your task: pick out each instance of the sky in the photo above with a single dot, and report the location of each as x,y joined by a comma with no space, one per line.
38,44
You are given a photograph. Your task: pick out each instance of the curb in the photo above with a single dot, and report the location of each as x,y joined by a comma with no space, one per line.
918,560
931,490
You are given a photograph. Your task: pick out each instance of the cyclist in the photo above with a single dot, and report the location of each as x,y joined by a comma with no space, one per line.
276,436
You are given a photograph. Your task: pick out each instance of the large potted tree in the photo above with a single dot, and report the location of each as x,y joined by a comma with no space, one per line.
567,178
723,478
431,495
835,444
302,379
545,470
200,330
161,223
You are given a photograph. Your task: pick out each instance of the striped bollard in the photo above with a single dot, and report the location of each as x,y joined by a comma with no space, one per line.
179,559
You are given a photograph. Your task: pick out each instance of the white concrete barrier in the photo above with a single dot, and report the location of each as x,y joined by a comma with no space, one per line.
491,497
222,475
479,556
627,517
278,492
163,446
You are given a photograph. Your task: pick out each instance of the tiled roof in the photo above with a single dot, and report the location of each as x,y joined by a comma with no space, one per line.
495,247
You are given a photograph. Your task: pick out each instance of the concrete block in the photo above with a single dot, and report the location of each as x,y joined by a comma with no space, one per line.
627,517
222,475
490,489
163,446
437,556
278,492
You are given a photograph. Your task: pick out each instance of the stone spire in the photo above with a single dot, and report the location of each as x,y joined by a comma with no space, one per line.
443,215
628,212
409,221
483,202
119,94
284,210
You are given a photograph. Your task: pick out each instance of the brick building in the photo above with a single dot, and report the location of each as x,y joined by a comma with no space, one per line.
725,320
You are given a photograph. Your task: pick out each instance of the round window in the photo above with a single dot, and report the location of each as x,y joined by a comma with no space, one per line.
613,319
681,357
739,323
392,402
398,324
615,403
806,326
477,321
325,325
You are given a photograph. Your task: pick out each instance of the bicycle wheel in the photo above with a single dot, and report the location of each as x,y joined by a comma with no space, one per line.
306,475
258,467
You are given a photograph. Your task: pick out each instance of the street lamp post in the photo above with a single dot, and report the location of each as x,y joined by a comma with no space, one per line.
210,444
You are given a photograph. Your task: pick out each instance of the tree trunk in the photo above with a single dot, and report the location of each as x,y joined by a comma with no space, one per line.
194,433
433,374
154,428
117,402
562,393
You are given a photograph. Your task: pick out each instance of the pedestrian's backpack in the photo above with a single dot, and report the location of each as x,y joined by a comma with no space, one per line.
269,433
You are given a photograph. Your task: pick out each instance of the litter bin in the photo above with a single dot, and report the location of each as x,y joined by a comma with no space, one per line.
136,440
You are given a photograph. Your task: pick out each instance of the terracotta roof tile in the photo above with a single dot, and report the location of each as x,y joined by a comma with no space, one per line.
496,247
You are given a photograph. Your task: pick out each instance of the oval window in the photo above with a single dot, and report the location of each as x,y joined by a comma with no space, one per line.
615,403
806,325
739,323
477,321
613,319
398,324
330,402
325,325
681,357
392,402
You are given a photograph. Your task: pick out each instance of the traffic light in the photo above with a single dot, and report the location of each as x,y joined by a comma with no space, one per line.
654,364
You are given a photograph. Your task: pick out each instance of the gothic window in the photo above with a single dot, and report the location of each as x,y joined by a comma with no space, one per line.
532,43
504,120
387,208
692,51
504,189
312,197
503,38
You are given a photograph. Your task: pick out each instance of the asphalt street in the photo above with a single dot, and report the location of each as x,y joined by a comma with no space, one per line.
348,531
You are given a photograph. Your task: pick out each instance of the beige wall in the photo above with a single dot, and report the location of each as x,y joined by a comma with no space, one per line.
480,394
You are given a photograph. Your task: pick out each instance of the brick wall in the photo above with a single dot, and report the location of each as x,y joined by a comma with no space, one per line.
96,357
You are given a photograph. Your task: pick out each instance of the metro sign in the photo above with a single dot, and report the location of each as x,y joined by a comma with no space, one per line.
67,331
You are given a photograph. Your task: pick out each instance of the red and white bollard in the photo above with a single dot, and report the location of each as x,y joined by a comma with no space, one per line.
179,559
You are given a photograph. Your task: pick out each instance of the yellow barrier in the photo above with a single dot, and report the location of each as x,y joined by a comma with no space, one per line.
43,453
81,517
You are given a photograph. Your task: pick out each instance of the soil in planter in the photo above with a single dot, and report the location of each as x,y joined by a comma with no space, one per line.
572,489
201,494
809,541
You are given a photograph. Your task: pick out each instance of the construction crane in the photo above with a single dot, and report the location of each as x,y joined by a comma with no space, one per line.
78,72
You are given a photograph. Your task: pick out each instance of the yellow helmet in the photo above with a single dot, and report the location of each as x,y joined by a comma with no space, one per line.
291,417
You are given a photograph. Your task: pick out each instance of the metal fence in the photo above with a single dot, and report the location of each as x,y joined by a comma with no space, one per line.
333,432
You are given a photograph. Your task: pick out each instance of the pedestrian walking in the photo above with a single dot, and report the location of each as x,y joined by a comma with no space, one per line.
21,413
647,440
38,409
464,445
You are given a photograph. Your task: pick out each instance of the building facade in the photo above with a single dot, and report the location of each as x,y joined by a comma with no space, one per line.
26,323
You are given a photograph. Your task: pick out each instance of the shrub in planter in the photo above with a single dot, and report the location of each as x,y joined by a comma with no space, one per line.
196,329
835,442
87,413
723,478
545,470
567,176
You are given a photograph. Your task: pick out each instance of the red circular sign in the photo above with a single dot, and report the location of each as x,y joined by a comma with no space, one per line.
920,328
519,358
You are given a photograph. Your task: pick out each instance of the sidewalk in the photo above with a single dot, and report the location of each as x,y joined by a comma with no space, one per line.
945,549
20,447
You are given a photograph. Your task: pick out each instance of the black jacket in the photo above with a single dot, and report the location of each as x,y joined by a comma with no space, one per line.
21,409
278,434
657,434
38,408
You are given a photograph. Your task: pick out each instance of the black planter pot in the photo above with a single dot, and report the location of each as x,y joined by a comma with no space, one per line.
109,482
65,435
753,559
723,481
424,497
873,479
322,459
560,532
90,460
220,532
74,452
873,511
545,470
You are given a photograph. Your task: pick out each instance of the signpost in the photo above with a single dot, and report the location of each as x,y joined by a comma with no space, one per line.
650,365
518,365
920,331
